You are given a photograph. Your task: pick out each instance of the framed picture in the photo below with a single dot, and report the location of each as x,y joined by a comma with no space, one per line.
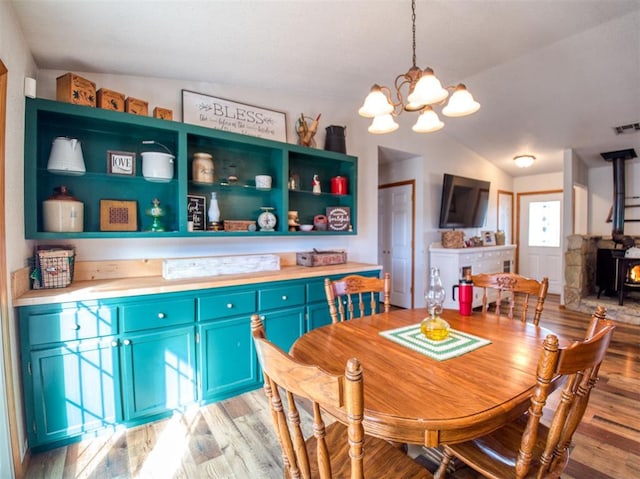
118,215
121,162
488,238
228,115
196,213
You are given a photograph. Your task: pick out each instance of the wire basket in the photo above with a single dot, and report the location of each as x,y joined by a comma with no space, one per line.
52,267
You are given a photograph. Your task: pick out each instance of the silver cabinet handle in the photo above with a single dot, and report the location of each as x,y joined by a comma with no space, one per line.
229,305
284,297
127,342
161,315
262,317
114,343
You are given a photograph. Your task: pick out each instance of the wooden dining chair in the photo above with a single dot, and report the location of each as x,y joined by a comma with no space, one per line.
345,294
513,291
526,447
333,451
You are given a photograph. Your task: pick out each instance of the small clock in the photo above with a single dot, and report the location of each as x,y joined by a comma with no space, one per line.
267,220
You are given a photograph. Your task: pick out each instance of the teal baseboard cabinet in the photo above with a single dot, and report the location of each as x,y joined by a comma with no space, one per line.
103,135
94,366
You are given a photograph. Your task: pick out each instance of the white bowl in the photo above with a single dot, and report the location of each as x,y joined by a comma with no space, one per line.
306,227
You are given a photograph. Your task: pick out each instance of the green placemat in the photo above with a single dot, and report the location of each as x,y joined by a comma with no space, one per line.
457,344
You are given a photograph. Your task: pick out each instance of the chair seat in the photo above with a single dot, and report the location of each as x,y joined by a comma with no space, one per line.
493,455
381,459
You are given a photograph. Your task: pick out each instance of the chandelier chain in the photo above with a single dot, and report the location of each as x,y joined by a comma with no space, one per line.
413,22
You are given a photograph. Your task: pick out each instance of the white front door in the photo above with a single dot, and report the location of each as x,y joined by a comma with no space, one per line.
540,238
395,240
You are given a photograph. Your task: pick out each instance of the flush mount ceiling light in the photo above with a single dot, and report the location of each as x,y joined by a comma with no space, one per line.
524,161
424,91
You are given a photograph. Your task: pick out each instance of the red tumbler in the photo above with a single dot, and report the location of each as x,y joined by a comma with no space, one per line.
465,298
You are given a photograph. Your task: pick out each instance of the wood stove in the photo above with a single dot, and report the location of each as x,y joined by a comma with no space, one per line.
616,274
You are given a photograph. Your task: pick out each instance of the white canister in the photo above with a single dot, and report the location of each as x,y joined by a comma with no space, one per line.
157,166
62,213
263,182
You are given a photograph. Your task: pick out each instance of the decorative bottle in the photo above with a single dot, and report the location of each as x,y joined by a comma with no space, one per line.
434,327
214,209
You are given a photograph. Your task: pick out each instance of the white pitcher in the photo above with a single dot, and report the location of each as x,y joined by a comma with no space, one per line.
66,157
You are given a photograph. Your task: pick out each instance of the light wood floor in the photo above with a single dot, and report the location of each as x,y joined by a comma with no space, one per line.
234,438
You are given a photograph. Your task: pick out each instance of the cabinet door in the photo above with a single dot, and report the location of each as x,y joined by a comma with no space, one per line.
318,315
227,358
159,371
283,327
74,390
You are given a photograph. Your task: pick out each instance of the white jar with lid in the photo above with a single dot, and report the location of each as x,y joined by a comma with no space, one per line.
202,168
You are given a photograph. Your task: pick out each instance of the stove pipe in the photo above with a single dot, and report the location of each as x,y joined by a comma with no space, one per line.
618,158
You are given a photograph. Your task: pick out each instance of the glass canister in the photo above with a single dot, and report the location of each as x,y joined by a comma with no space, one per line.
202,168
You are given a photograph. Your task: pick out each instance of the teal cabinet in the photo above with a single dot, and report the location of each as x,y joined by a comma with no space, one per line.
228,363
74,390
227,357
94,365
158,372
284,326
237,160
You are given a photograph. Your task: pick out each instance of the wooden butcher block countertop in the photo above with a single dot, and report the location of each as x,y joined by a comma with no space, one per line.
117,279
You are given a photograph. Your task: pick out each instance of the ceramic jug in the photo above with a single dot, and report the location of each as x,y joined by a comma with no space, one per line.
66,157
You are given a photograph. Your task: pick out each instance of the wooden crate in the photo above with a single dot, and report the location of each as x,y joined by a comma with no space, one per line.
321,258
72,88
238,225
163,113
110,100
136,106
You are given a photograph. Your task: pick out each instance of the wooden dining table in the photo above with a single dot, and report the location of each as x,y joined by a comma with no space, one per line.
412,398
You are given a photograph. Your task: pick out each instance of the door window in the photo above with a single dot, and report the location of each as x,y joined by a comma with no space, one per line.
544,223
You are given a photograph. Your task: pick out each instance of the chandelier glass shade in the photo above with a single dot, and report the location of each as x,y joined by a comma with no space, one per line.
416,91
524,161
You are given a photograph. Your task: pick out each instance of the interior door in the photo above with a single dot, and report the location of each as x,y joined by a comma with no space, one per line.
540,238
395,239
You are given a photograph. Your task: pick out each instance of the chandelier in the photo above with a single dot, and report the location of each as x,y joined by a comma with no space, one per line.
424,91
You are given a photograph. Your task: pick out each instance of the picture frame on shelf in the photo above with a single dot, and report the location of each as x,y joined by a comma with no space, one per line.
488,238
118,215
338,218
121,163
228,115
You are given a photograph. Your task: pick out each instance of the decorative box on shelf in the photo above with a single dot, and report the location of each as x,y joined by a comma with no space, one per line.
72,88
163,113
239,225
110,100
136,106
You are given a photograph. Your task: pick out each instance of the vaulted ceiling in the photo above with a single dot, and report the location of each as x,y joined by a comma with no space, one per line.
550,75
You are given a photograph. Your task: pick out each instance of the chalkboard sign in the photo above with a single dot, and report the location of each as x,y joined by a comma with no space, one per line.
196,212
228,115
339,218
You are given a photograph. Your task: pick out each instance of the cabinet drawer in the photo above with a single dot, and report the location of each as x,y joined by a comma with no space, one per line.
157,314
72,323
224,305
281,296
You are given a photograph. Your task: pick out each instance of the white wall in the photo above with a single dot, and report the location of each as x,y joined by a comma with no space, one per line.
601,197
19,63
426,157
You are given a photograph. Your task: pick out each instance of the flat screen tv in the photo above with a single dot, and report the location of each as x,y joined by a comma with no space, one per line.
464,202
